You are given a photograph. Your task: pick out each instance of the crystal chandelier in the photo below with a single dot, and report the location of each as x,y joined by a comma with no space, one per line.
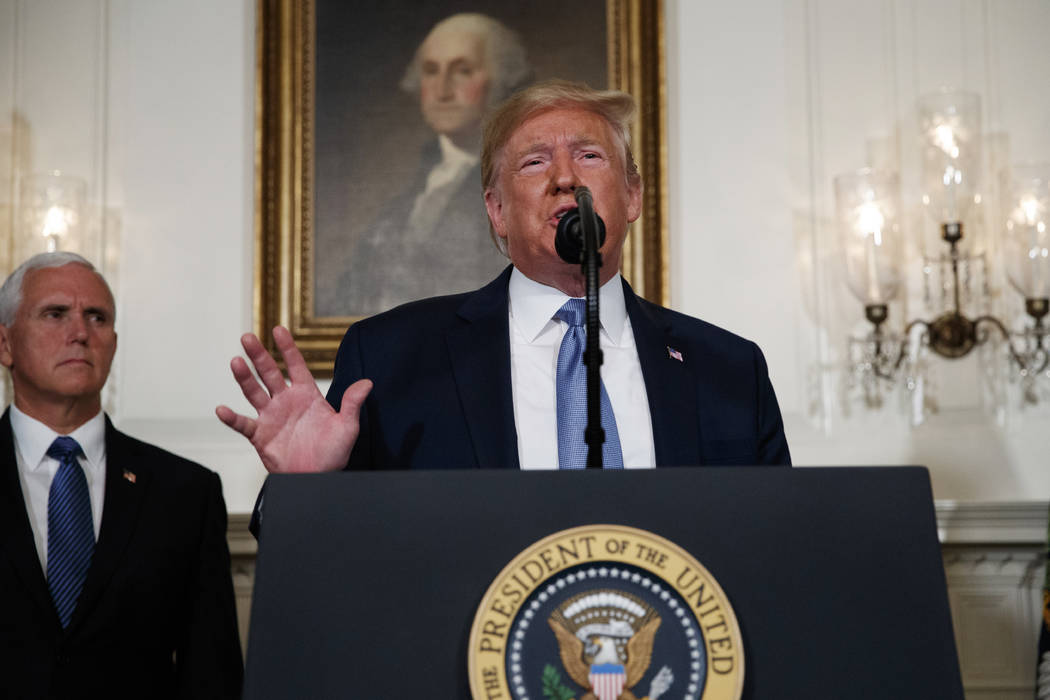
869,213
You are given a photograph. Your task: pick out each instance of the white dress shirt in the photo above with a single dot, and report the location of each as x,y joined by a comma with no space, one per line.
36,469
442,182
454,163
535,339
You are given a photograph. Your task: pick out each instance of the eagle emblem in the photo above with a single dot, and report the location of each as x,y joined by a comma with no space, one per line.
605,641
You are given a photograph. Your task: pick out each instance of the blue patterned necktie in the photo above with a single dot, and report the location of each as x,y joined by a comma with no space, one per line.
572,397
70,529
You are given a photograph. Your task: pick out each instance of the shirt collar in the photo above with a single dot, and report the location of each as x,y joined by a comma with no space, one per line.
453,154
33,438
533,306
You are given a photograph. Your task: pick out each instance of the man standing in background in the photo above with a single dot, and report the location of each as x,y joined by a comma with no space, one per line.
114,570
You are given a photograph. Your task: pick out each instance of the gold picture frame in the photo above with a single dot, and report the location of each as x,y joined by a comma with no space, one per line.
284,164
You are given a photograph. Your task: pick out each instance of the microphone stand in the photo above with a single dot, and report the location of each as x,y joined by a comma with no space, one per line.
592,355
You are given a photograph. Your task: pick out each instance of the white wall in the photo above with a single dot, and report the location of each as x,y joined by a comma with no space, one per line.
153,104
771,100
182,114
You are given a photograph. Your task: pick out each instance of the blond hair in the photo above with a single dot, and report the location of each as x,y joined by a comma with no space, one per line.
615,107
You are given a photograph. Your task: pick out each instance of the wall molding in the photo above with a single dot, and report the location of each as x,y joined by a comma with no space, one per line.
242,542
1013,523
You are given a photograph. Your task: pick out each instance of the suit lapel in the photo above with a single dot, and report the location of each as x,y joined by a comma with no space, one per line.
479,351
670,383
120,511
16,535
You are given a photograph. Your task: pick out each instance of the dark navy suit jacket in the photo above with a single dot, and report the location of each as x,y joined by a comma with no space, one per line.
442,396
156,617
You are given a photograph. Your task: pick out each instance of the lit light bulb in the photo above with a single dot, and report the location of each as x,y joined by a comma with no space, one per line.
56,221
944,138
1029,209
870,221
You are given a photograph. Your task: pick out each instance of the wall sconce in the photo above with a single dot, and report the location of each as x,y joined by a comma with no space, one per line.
868,208
950,127
53,210
1026,200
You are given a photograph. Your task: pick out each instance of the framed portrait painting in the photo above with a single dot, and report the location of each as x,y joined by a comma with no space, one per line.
368,188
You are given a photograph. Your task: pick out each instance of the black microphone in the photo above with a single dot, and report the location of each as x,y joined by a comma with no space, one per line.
568,241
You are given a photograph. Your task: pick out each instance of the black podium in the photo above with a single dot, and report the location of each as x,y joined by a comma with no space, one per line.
367,583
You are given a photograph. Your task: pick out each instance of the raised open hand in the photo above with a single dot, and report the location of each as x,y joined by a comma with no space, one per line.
296,429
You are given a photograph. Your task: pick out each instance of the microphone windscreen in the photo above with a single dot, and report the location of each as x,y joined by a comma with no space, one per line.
568,241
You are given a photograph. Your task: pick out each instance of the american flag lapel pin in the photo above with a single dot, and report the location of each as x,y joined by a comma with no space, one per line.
129,475
674,354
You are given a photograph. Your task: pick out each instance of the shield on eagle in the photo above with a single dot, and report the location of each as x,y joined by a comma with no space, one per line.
605,641
607,680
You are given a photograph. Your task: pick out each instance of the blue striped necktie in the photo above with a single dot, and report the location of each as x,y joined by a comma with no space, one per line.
70,529
572,397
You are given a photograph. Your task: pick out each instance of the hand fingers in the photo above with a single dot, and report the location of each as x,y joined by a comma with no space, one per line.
353,398
265,366
293,359
255,394
242,424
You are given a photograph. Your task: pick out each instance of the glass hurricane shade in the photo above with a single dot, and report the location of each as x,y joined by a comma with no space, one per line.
868,208
950,130
52,207
1026,230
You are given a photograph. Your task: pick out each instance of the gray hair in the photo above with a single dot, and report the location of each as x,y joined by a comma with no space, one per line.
11,291
504,54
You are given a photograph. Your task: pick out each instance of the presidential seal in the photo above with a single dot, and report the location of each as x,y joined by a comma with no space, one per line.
605,612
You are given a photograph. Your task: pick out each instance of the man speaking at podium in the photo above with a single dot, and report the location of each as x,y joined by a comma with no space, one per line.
492,378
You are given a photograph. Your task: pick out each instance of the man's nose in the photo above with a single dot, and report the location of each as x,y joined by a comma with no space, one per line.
444,86
78,328
564,177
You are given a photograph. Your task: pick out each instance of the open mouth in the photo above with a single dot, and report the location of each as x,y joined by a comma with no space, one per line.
560,213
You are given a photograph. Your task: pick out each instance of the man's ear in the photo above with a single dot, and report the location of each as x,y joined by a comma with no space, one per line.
634,198
6,358
495,210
